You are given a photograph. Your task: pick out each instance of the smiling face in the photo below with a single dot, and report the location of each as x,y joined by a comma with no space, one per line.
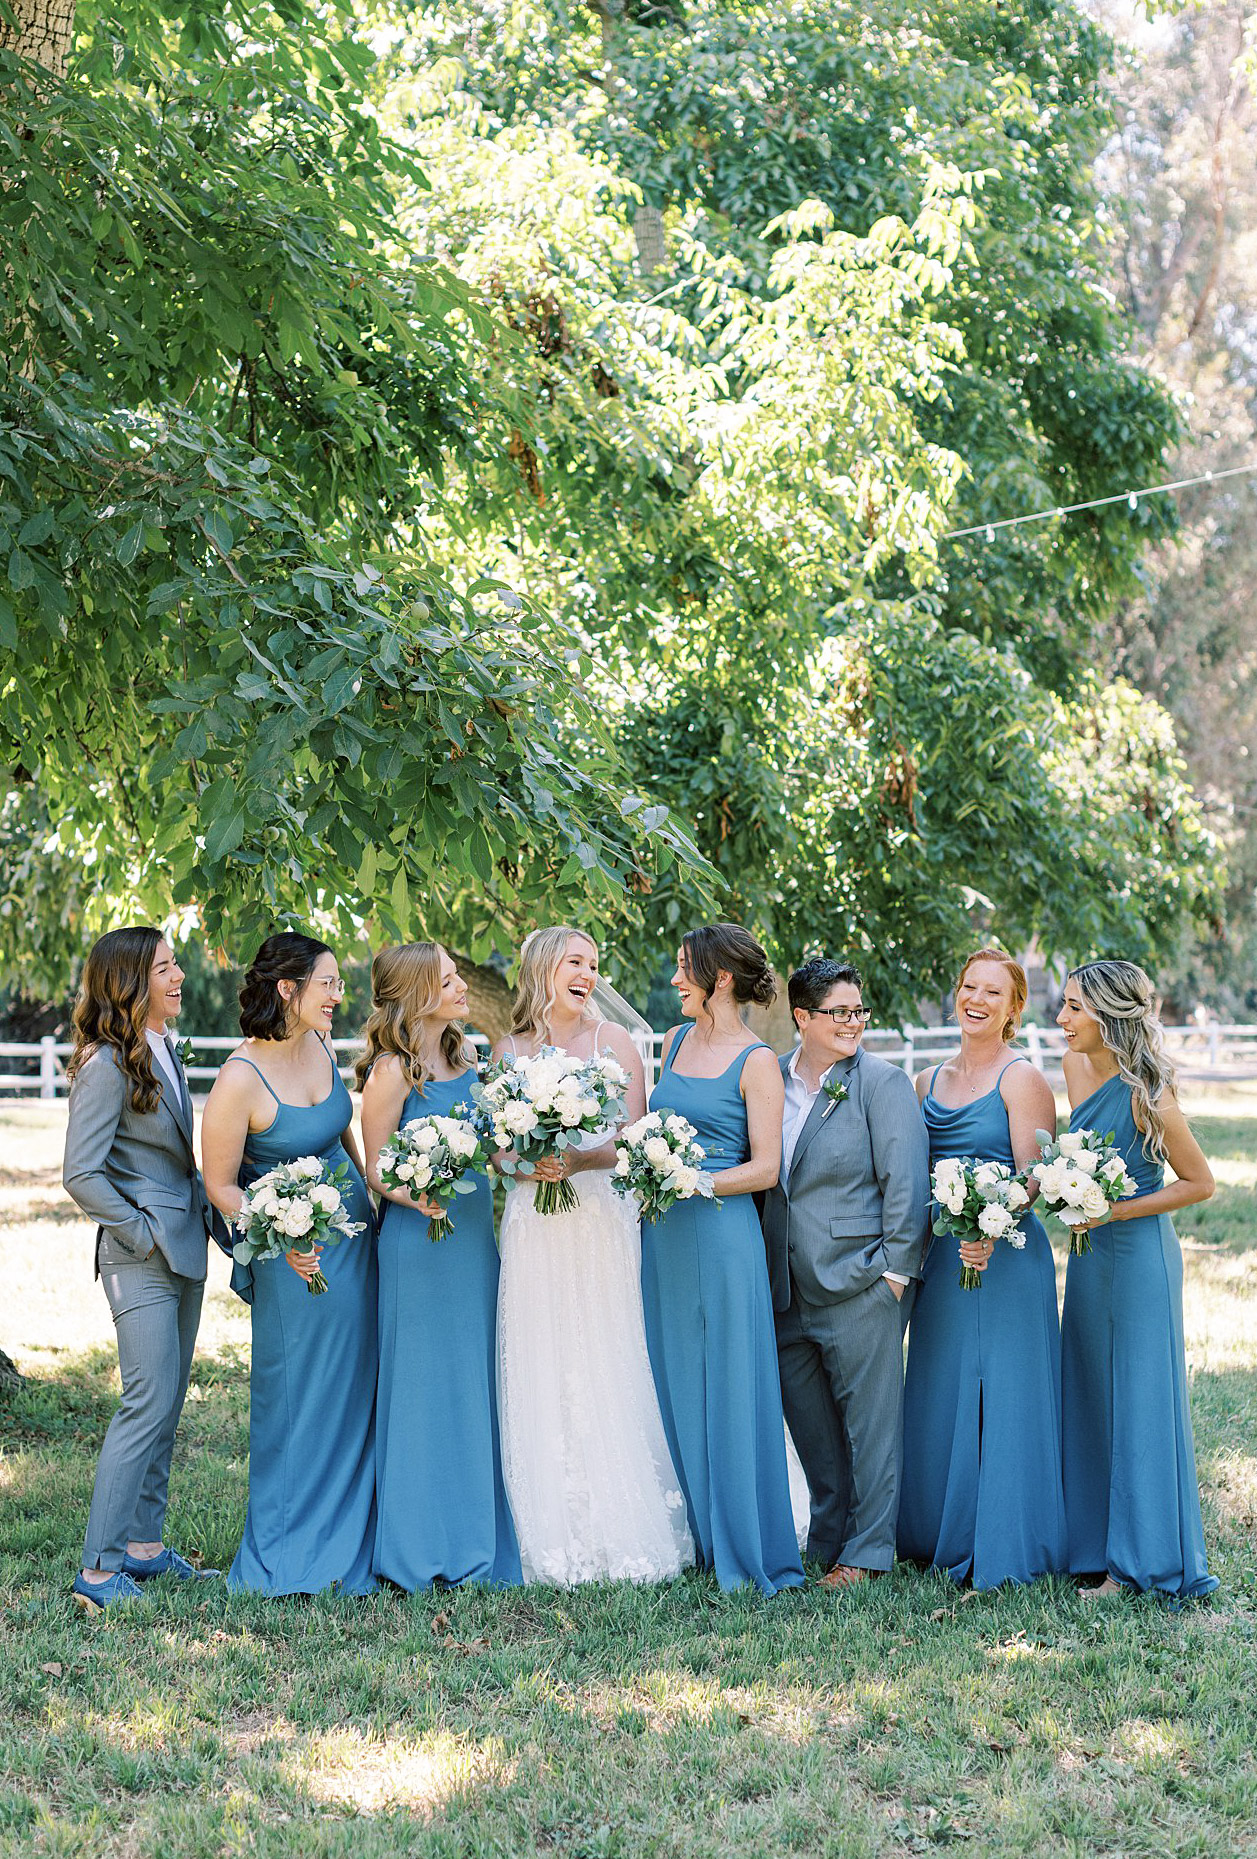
165,985
825,1040
1081,1029
572,981
452,1004
311,1005
985,999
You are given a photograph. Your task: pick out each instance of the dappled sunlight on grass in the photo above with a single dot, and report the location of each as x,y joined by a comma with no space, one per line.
372,1774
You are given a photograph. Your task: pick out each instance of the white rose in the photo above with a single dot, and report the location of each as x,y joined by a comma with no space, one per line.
421,1177
953,1196
1016,1196
404,1170
1095,1202
656,1151
1113,1169
326,1197
519,1119
308,1168
987,1175
948,1169
1087,1160
1071,1144
298,1217
685,1181
677,1126
995,1221
674,1164
1073,1187
462,1140
622,1164
425,1137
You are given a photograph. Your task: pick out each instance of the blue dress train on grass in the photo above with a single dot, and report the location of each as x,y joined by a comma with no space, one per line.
981,1492
713,1349
1131,1497
441,1502
311,1517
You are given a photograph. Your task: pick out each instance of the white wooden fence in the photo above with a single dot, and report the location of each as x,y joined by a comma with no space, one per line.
1220,1049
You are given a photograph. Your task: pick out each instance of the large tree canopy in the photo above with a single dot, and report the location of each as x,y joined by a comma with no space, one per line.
430,490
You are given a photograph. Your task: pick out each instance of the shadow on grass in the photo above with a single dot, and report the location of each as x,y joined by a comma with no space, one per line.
1226,1223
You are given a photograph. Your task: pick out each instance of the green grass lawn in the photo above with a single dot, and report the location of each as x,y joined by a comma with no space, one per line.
610,1721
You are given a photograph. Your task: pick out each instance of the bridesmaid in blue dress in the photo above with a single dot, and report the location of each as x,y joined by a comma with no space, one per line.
709,1319
442,1514
311,1516
1131,1497
981,1495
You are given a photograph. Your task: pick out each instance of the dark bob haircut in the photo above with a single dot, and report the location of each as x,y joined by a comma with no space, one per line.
728,946
290,956
810,983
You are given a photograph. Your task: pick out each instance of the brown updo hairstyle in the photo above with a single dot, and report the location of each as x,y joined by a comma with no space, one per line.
289,956
112,1009
1016,974
405,986
715,947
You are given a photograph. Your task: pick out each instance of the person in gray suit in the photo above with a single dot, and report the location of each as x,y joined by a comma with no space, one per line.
130,1166
845,1229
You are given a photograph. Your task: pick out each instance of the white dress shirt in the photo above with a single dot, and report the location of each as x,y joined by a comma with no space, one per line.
161,1052
800,1098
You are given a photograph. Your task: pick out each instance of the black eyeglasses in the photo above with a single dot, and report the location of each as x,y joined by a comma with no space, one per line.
844,1016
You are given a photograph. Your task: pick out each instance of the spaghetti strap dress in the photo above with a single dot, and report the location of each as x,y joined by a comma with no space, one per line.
441,1505
311,1518
713,1349
1131,1497
981,1496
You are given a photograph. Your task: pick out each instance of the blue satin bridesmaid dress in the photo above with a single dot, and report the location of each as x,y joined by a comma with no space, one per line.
981,1495
311,1517
442,1513
713,1349
1131,1497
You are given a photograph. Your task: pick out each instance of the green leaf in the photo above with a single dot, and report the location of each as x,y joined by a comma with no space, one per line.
128,546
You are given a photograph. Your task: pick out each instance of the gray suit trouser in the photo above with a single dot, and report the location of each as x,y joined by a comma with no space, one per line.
155,1313
842,1389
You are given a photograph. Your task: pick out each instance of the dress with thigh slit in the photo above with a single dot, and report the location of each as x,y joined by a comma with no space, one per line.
981,1496
311,1518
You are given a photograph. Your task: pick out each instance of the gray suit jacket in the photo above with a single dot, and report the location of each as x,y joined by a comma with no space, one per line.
134,1173
857,1200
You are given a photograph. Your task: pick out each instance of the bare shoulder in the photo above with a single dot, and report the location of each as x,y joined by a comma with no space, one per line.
922,1082
762,1068
236,1083
620,1042
669,1040
503,1048
386,1074
1072,1064
1023,1086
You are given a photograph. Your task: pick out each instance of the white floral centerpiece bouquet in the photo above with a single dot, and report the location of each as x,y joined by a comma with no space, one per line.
1080,1177
431,1156
658,1161
538,1107
976,1201
294,1208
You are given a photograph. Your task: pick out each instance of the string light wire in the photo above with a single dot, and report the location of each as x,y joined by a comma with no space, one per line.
987,530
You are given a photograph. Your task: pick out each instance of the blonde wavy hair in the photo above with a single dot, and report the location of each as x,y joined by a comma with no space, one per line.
539,958
1121,998
112,1010
405,988
1016,975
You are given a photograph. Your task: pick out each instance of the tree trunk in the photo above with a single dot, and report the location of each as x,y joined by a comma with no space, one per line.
10,1377
489,997
648,231
44,32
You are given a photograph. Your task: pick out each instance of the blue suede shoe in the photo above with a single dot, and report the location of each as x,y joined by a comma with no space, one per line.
94,1597
169,1562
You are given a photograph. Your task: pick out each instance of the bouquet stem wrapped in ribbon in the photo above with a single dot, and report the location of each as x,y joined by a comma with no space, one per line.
978,1201
431,1156
294,1208
659,1162
542,1106
1080,1177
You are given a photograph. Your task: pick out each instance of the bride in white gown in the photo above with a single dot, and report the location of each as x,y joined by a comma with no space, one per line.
588,1473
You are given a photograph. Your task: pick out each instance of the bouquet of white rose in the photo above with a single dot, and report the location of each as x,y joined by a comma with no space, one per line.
540,1106
976,1201
294,1208
658,1160
1080,1177
430,1156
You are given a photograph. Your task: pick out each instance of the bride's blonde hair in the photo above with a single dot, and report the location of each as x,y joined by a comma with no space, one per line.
406,986
539,958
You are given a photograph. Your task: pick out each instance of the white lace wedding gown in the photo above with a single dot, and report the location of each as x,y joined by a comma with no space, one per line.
587,1468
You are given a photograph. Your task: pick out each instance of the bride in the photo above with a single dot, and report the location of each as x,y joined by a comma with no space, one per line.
588,1474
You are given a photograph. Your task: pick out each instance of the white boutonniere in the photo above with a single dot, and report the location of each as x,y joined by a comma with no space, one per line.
185,1053
836,1091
